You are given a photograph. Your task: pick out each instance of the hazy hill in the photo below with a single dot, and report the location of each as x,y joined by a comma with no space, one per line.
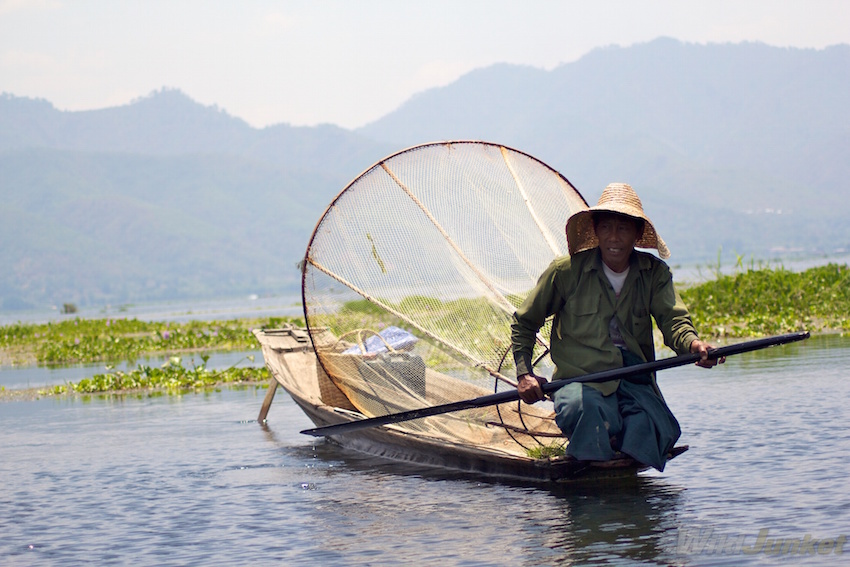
168,123
100,228
743,147
620,110
160,199
717,139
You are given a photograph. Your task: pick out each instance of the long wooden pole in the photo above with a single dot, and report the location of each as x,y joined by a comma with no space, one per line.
512,395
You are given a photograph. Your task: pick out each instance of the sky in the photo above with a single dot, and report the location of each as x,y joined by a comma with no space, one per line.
348,62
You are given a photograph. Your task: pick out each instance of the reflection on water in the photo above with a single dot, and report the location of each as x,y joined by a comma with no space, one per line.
194,480
614,524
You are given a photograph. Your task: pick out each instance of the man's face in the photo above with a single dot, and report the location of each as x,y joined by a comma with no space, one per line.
617,236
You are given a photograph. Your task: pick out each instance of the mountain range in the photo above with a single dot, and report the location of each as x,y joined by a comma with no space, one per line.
739,148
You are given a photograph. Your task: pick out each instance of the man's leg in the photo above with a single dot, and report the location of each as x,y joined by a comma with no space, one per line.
649,427
589,420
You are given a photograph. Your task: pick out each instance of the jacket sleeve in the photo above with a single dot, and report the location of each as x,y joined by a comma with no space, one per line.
670,312
530,317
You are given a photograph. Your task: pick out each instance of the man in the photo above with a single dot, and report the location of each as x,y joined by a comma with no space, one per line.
602,297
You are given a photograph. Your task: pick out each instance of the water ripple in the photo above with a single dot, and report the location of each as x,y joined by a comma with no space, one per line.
195,480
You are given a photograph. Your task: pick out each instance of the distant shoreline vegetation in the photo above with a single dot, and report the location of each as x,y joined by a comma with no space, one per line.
759,302
79,340
748,303
116,340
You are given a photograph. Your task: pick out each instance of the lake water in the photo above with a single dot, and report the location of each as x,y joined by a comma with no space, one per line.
193,479
251,307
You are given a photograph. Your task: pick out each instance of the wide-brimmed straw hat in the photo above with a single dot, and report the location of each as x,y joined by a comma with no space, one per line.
617,198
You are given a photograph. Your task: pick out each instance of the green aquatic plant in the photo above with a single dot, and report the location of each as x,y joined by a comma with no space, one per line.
773,300
547,451
756,300
91,340
172,377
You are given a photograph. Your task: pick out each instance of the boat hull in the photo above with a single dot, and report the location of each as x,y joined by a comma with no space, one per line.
294,367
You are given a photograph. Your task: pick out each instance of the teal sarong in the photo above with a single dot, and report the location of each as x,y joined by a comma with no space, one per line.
635,416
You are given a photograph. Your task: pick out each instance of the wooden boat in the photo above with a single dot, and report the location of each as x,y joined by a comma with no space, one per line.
289,356
409,285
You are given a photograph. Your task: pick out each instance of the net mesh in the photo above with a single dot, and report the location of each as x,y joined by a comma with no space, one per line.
413,274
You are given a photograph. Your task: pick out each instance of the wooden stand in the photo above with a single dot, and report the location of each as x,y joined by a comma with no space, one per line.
267,402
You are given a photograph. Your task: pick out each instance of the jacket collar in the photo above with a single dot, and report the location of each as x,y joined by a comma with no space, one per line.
638,261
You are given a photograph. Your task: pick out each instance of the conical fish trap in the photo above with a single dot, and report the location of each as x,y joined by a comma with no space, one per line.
412,276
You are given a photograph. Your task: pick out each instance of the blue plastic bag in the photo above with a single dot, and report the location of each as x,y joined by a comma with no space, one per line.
397,338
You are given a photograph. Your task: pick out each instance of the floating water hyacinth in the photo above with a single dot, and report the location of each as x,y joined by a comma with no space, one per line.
91,340
767,301
172,377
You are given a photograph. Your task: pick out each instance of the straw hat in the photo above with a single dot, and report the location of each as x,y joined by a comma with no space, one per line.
617,198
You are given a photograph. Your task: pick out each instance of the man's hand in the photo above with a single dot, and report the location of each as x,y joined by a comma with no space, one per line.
702,348
529,388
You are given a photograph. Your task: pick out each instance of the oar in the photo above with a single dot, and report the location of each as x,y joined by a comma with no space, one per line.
512,395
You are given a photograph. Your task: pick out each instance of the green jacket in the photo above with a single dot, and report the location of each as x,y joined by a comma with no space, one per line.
576,291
